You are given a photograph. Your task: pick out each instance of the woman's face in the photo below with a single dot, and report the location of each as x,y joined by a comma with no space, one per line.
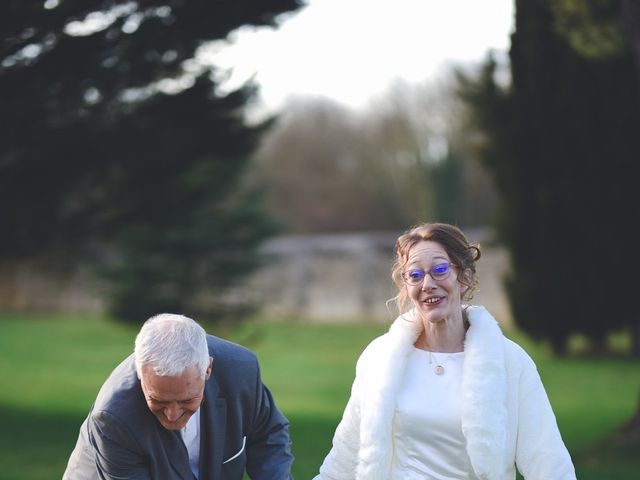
437,299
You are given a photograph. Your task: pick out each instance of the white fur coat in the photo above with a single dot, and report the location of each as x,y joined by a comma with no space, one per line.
506,416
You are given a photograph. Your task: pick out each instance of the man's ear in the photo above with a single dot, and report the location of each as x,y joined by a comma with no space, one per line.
209,368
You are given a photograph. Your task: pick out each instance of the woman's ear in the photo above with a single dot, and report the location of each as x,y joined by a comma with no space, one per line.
466,280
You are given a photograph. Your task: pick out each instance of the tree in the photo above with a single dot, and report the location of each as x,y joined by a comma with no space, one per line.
631,23
564,151
112,134
397,162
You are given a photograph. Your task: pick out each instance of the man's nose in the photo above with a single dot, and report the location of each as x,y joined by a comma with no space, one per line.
173,412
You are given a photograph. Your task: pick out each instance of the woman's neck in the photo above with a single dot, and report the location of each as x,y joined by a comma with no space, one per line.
443,336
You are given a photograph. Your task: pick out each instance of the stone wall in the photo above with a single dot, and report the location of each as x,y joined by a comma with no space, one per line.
46,285
322,278
342,276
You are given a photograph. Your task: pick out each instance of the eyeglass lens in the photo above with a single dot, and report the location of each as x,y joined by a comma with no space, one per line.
416,276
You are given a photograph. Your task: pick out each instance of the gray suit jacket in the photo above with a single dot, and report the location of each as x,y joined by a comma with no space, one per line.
241,428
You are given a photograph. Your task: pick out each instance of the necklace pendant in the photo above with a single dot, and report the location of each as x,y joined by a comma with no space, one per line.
439,370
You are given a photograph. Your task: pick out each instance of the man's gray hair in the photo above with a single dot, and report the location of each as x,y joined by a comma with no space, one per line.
171,344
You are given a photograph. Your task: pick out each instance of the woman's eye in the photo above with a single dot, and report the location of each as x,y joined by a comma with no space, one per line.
416,274
440,269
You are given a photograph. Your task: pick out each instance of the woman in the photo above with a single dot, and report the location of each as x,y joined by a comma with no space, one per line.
443,394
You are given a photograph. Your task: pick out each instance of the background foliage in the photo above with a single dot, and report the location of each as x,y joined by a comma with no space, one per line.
401,160
117,146
562,145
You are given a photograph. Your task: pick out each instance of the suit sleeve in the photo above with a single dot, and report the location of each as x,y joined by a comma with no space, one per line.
268,445
117,455
541,453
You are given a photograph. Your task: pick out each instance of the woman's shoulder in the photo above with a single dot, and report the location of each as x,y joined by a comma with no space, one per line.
400,336
374,348
486,330
516,355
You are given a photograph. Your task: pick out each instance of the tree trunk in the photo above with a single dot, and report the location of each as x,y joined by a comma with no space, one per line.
559,345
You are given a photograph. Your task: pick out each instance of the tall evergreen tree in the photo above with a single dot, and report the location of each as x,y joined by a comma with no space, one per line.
107,138
565,155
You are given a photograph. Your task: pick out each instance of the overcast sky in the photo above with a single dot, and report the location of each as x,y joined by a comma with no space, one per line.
352,50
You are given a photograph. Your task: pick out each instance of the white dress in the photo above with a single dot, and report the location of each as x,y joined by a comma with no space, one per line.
427,426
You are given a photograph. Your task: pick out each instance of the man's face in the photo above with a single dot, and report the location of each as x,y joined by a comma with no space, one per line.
173,399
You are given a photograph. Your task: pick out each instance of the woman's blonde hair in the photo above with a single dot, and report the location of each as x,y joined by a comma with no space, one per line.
462,253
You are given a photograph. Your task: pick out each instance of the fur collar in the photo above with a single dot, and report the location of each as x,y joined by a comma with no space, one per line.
484,391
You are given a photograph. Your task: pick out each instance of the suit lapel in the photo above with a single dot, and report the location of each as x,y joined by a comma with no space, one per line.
213,423
177,453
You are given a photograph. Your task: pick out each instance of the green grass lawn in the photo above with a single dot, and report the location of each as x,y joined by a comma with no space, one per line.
51,369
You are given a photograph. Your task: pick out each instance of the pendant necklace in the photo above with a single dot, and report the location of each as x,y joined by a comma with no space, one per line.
439,368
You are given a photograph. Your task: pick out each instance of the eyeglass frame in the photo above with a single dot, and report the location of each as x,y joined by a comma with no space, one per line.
429,272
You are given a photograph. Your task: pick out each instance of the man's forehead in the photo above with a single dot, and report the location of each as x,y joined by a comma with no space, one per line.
188,384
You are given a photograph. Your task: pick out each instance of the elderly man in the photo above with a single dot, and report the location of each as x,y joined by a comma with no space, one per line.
184,405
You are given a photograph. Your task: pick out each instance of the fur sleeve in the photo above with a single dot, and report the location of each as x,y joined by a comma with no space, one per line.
342,460
541,453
